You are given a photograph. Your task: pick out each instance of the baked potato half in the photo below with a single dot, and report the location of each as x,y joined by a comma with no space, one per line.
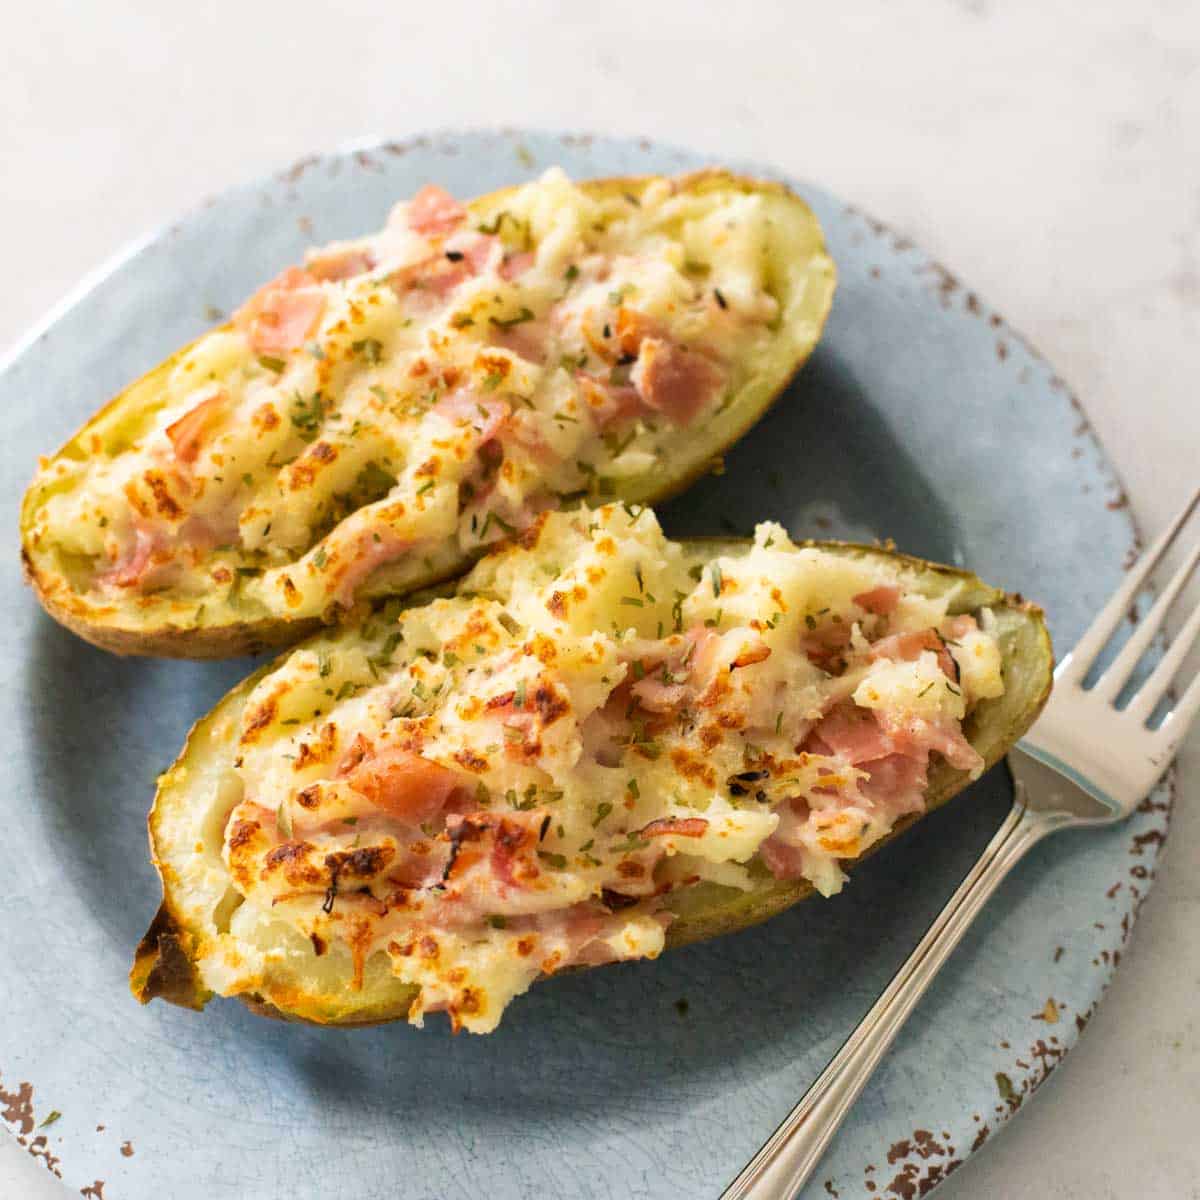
598,745
371,422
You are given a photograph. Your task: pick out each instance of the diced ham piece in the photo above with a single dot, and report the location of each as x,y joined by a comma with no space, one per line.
880,600
354,561
677,826
280,316
826,645
654,695
337,262
632,328
894,751
676,382
585,930
919,737
128,571
477,250
187,432
406,786
959,626
895,778
527,340
414,871
849,732
782,853
609,404
466,408
908,647
433,279
673,673
511,836
515,265
434,212
437,276
524,431
781,858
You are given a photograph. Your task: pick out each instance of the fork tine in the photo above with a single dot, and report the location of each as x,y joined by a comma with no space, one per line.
1075,666
1113,679
1179,720
1153,690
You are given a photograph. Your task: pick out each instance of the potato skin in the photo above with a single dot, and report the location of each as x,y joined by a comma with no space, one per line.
164,966
121,629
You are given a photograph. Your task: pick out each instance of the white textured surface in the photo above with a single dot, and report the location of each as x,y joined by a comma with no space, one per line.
1044,150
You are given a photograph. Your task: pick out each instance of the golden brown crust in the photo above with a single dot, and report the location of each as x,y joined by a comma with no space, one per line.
162,965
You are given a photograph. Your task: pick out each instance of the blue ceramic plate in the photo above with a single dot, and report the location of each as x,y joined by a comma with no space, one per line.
922,417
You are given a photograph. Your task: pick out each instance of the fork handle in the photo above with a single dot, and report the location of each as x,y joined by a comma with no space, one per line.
781,1167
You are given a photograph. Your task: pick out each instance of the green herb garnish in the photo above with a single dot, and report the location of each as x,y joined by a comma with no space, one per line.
369,348
524,315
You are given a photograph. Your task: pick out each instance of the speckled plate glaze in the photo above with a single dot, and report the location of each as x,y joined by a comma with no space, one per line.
922,417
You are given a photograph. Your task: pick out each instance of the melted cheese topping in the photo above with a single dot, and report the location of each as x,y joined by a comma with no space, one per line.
420,394
493,786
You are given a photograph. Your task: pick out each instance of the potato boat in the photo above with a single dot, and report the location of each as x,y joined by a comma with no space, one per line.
371,422
600,744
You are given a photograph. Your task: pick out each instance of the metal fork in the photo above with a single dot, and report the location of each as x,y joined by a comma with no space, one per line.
1084,763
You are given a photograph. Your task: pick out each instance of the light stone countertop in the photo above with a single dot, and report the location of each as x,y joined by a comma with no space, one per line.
1046,151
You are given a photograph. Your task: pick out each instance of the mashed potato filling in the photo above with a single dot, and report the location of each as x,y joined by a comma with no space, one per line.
416,395
516,779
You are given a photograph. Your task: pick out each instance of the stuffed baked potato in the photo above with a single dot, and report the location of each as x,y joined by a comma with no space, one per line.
600,744
373,421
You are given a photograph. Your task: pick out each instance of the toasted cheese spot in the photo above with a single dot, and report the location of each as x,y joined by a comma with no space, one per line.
473,762
309,797
550,705
303,472
321,751
259,719
291,593
363,863
265,418
241,833
291,860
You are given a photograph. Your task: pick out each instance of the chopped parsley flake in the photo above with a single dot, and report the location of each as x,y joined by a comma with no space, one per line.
307,414
369,348
524,315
